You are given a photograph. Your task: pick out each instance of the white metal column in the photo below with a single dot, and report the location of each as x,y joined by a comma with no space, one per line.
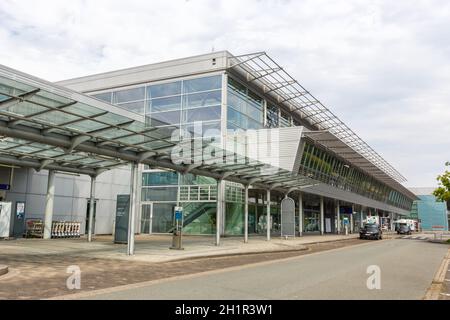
91,208
218,210
246,214
49,201
362,217
351,219
268,214
338,217
300,214
322,216
133,204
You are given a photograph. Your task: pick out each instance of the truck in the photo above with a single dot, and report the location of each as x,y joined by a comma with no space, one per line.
372,220
408,222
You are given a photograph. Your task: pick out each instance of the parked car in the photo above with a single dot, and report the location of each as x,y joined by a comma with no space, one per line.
404,229
371,231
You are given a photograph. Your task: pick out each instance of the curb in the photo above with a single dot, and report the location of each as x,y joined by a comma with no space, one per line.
435,288
302,247
222,255
3,270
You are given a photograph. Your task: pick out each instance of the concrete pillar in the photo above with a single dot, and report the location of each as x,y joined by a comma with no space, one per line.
338,217
49,201
218,211
91,209
246,214
268,214
322,216
300,214
133,205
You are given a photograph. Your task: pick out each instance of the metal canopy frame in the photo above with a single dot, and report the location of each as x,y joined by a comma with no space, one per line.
262,70
45,126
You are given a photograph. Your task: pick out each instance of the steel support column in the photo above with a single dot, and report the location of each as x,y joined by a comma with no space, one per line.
268,219
338,218
133,200
300,214
351,218
49,201
246,214
91,209
362,217
322,215
218,211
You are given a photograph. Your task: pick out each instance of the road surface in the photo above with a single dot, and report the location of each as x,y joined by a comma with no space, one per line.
407,269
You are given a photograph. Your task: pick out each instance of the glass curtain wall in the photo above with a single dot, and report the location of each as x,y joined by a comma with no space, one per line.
322,166
170,106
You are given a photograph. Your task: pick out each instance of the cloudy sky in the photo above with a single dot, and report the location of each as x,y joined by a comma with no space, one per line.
382,66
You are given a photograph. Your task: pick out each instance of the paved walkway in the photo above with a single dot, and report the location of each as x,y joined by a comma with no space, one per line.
405,269
155,248
39,268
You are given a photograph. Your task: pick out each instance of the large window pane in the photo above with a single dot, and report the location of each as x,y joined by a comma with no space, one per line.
129,95
105,96
203,114
165,104
162,217
164,90
285,120
159,178
165,118
137,107
203,84
272,116
199,217
203,99
209,129
159,194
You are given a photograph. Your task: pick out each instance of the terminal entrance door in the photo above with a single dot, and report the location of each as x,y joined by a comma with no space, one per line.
146,218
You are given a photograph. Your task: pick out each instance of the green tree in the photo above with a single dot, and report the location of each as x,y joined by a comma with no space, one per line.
442,193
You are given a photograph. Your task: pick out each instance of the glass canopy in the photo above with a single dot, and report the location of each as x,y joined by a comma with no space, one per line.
43,125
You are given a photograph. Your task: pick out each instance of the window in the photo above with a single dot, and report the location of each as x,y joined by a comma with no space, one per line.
164,90
165,118
203,114
247,107
128,95
202,84
163,178
105,96
164,104
137,107
202,99
285,120
272,116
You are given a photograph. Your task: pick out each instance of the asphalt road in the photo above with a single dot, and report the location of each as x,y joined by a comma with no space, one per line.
407,269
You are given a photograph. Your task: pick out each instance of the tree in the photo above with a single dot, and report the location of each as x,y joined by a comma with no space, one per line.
442,193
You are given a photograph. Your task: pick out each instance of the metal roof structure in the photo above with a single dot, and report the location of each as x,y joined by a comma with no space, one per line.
262,70
45,126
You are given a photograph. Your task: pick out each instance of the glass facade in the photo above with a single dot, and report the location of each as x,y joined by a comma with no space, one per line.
245,108
323,166
178,104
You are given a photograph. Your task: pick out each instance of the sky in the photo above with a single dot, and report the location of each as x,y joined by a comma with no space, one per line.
383,67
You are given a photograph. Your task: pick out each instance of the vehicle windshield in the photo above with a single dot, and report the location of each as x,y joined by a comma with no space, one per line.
404,227
371,226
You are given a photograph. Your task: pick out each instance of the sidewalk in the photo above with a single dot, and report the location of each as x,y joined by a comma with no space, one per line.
155,248
39,268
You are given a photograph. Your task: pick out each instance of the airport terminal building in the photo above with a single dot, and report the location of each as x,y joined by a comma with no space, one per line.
333,176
